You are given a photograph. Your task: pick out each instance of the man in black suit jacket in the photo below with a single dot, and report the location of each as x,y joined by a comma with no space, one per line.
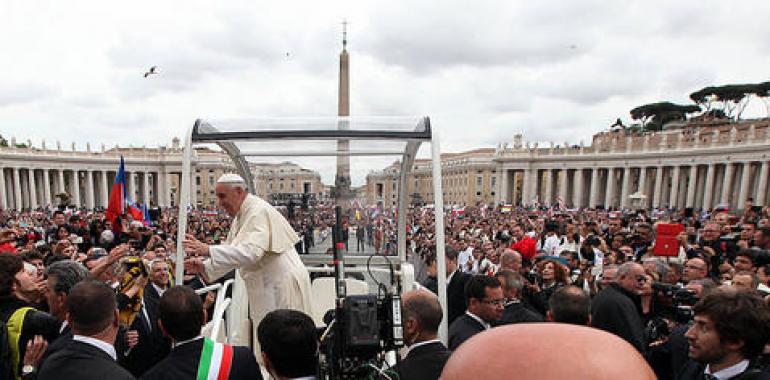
93,317
485,307
61,276
427,355
730,328
289,344
152,345
515,311
455,288
181,317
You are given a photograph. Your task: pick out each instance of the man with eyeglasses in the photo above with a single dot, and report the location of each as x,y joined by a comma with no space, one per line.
485,307
615,310
695,269
718,249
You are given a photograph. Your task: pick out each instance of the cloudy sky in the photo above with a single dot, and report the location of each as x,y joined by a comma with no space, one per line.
482,70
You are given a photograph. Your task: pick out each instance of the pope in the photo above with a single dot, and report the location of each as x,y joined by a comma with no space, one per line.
261,245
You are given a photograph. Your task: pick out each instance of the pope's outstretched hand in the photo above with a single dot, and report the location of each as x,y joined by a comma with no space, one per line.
195,247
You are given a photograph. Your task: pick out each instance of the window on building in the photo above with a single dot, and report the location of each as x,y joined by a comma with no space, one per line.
197,180
211,181
494,181
380,189
280,187
479,180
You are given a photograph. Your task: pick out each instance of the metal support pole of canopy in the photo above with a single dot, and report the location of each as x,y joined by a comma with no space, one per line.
184,201
438,212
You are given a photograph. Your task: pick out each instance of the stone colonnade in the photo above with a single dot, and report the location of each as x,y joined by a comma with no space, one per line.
25,187
698,185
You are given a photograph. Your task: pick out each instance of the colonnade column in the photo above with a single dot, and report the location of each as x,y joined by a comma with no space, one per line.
17,189
625,187
672,199
762,187
708,195
76,187
727,184
105,193
3,198
146,192
32,189
62,188
608,200
132,187
502,193
509,177
577,195
594,192
643,185
90,196
692,186
745,181
563,176
656,193
525,187
47,187
548,194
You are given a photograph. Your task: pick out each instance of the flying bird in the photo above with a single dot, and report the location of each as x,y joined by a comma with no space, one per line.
151,71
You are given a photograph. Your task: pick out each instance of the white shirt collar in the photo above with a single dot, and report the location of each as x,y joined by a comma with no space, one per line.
177,344
479,320
63,326
100,344
158,289
728,372
420,344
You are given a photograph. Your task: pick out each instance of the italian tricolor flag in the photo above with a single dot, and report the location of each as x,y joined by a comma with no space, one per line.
216,360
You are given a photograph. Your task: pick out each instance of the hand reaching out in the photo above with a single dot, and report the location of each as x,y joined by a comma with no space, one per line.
194,247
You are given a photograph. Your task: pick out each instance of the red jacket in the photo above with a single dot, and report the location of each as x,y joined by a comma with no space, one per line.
527,247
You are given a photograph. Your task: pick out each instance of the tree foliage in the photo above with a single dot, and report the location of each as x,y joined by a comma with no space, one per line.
733,98
654,115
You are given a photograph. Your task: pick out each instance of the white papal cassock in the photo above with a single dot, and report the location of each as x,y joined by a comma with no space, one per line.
261,245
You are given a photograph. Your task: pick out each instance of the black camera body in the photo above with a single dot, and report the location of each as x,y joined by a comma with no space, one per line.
682,301
365,327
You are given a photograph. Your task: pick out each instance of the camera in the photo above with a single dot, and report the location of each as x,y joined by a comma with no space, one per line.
681,301
362,328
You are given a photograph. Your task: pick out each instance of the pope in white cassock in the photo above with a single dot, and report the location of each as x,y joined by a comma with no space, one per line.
261,245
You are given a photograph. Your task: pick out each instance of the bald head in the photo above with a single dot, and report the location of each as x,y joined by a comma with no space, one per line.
422,315
593,354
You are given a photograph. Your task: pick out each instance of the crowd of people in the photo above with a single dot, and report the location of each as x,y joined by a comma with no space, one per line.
72,279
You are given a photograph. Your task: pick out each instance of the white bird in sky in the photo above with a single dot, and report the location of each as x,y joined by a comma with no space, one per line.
151,71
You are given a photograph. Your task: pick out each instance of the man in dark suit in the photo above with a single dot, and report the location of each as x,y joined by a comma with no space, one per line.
456,280
181,317
730,329
515,311
61,276
152,346
289,344
93,318
427,355
485,307
570,304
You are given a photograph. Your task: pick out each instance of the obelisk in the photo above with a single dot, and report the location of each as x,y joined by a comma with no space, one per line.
342,178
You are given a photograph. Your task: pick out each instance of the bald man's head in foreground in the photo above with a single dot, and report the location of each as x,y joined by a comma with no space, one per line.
583,353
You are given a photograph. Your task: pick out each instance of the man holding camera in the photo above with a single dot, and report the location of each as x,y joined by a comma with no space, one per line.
731,327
